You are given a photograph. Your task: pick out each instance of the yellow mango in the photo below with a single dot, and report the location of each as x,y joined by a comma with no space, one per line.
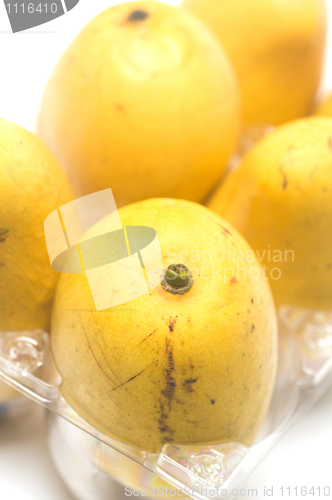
32,185
277,49
143,96
196,368
280,199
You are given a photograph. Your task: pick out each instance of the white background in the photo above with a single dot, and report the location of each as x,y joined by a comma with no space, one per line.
303,457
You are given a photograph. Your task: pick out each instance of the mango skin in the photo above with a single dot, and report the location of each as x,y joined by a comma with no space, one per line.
32,185
197,368
133,105
277,48
280,199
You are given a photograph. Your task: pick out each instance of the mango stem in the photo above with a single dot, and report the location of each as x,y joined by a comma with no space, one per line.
177,279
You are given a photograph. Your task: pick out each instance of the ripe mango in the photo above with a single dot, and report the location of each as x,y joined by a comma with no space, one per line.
277,49
280,199
32,185
196,368
144,101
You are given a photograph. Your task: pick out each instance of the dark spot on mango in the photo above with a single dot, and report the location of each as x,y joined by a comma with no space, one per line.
119,107
171,324
163,428
3,235
284,177
169,390
225,230
191,380
212,401
137,16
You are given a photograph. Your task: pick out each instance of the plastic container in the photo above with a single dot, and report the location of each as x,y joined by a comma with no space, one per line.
89,461
12,403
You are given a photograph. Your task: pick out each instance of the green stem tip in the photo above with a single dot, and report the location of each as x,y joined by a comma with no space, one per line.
177,275
177,279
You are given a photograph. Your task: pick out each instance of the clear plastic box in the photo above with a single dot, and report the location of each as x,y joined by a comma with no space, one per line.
12,403
89,461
